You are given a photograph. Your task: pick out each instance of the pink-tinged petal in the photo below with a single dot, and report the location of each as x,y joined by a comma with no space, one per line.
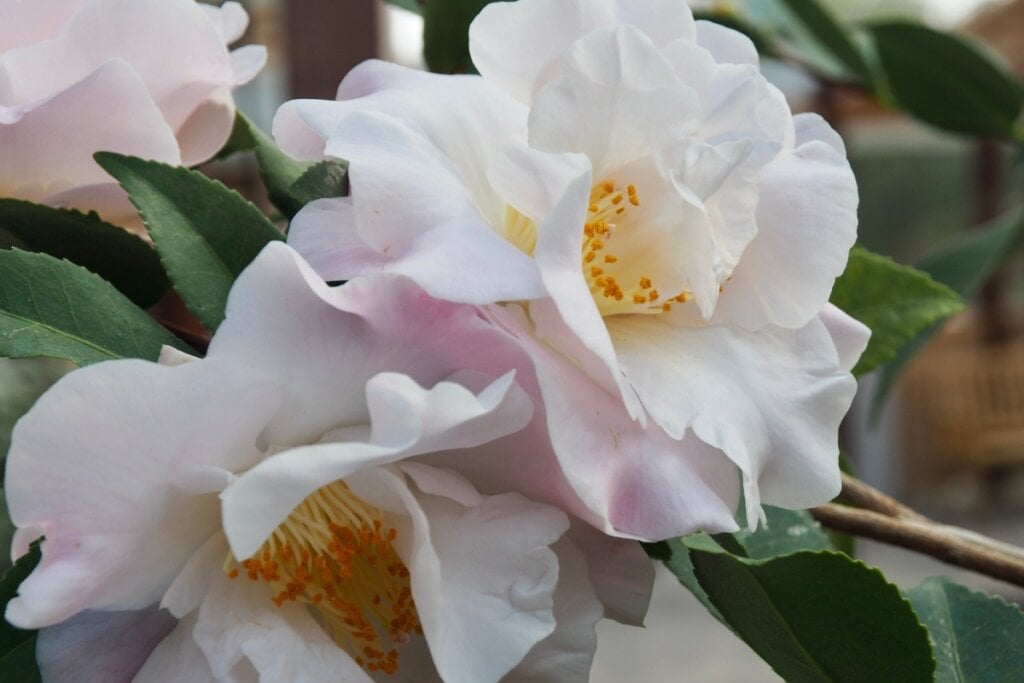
246,62
204,132
316,338
567,654
171,356
101,646
726,45
629,477
102,501
30,22
771,400
519,45
178,659
848,334
230,20
128,29
482,576
324,233
807,221
406,420
616,99
195,579
45,156
238,621
620,571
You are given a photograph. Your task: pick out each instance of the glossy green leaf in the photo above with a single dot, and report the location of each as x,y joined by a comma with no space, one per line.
895,301
831,35
817,616
446,34
205,233
10,636
113,253
676,557
977,637
946,81
963,265
324,179
786,531
54,308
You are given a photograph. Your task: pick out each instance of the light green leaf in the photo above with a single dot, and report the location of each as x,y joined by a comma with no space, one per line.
817,616
895,301
54,308
832,36
446,34
946,81
977,637
111,252
205,233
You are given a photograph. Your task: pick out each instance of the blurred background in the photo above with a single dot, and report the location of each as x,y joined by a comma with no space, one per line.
948,438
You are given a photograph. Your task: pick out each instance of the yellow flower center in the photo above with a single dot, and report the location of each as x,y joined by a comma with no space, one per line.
334,553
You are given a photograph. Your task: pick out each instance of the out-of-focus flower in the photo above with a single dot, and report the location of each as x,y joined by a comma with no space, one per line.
269,498
636,203
151,78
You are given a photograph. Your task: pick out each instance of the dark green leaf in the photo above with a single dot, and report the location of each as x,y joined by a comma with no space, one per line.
278,170
976,637
446,34
54,308
205,233
963,265
676,557
946,81
10,636
111,252
895,301
831,35
19,665
241,139
411,5
324,179
817,616
787,531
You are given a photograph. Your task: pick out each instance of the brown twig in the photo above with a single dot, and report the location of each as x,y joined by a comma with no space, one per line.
926,537
857,493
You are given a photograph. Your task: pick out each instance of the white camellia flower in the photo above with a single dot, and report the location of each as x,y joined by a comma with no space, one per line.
150,78
631,198
270,499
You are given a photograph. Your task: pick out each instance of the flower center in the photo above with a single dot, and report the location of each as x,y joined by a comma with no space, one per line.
613,264
334,553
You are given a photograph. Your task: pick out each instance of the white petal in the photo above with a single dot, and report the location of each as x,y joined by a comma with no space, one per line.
178,659
519,45
204,132
726,45
230,20
849,335
193,582
246,62
807,221
621,572
324,232
30,22
771,400
101,646
92,466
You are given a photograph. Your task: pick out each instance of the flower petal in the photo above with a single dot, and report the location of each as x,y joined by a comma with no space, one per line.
519,45
101,646
771,400
621,572
207,129
849,335
726,45
807,221
102,501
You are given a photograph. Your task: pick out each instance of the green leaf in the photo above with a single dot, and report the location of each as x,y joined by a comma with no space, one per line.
946,81
411,5
113,253
976,637
324,179
963,265
20,663
446,34
737,23
787,531
676,557
817,616
204,233
831,35
10,636
54,308
895,301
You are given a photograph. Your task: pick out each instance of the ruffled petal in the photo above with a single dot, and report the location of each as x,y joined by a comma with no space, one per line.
771,400
118,528
807,221
519,45
849,335
101,646
30,22
726,45
230,20
620,571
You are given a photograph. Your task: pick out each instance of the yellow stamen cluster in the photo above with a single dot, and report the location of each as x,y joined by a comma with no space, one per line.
606,217
334,552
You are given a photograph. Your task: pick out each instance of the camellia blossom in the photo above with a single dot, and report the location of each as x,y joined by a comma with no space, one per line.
631,198
150,78
263,510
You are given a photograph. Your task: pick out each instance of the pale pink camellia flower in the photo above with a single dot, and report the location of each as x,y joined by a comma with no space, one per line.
270,497
150,78
631,198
